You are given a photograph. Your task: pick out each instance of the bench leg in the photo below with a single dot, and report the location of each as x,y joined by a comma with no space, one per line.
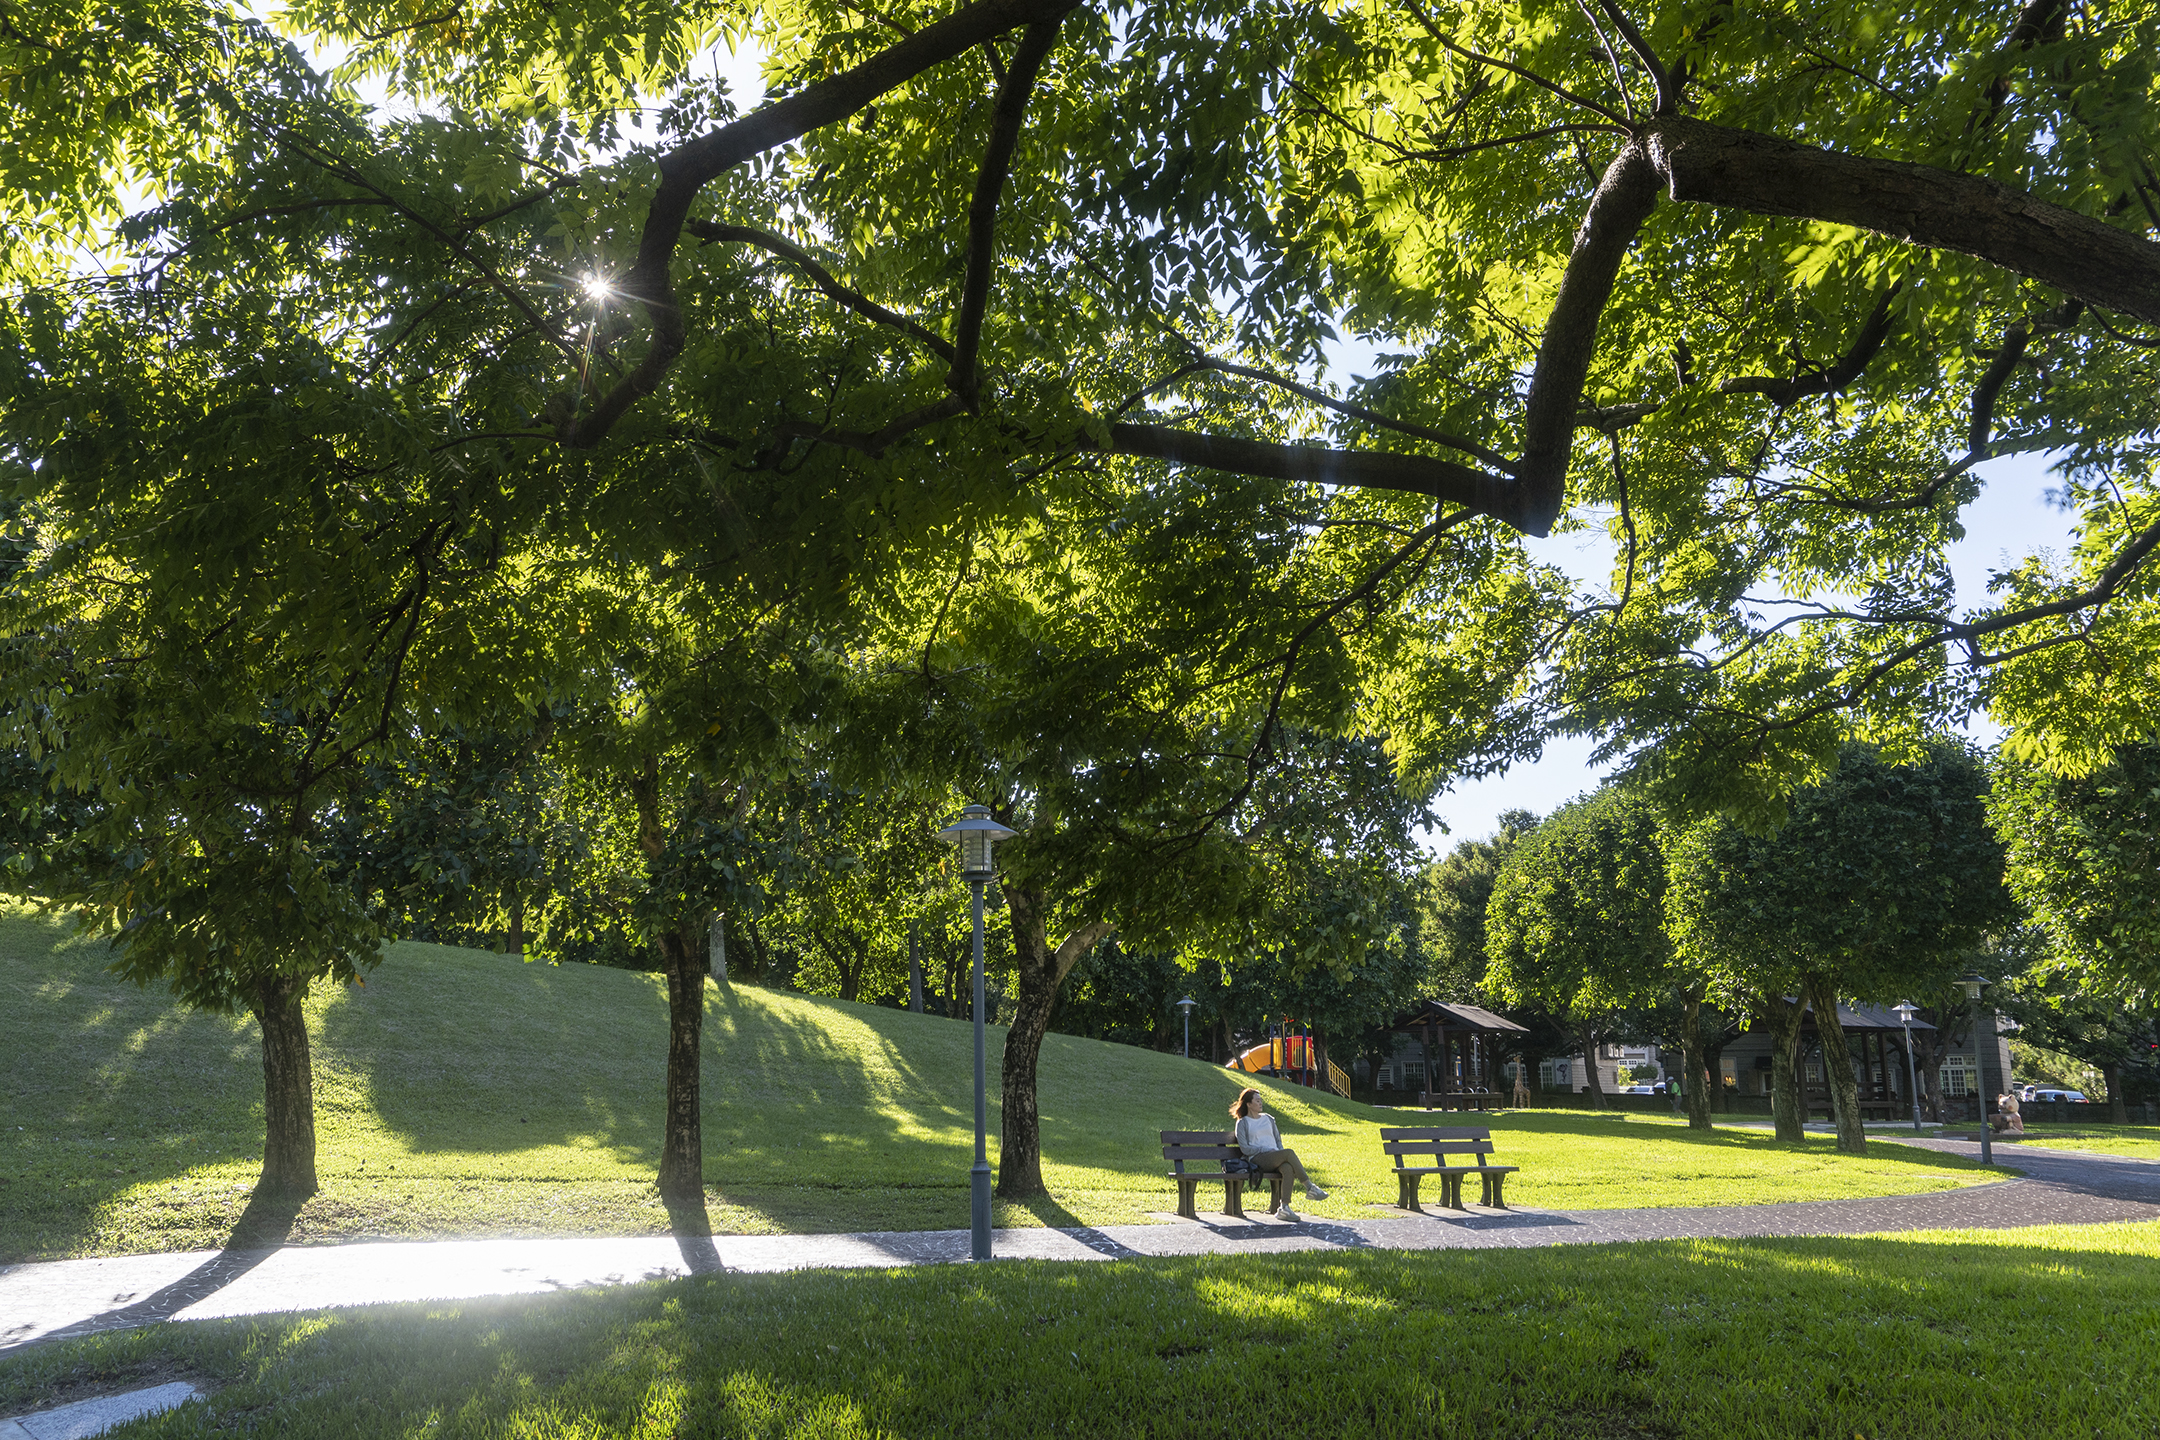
1234,1198
1406,1188
1451,1192
1185,1203
1492,1192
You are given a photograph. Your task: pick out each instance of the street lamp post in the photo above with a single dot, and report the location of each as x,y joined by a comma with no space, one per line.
976,833
1973,985
1905,1011
1186,1005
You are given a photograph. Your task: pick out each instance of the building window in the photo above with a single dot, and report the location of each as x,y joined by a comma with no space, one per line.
1957,1078
1555,1074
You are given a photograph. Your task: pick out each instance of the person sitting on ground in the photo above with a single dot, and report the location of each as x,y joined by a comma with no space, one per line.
1261,1142
2007,1116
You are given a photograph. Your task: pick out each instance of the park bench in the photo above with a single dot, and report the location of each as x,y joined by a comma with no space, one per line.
1209,1148
1460,1099
1439,1144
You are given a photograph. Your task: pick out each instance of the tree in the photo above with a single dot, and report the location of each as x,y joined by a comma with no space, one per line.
1787,307
1576,925
1455,893
2084,861
1878,884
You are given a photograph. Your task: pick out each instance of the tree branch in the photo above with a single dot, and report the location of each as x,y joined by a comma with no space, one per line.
1708,164
1442,480
854,300
686,170
1786,392
1624,199
1006,116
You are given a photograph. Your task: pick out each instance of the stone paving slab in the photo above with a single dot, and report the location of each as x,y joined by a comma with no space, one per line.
67,1298
87,1418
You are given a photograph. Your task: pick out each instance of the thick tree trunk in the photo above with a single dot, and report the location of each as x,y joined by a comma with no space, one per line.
517,921
1713,1072
682,1145
1788,1117
288,1086
682,1141
914,966
2118,1107
1692,1072
1837,1064
1042,971
1589,1035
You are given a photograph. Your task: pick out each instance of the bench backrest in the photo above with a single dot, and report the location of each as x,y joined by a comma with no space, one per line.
1437,1142
1179,1146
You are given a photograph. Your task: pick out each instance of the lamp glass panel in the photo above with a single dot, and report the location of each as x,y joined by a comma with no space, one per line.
975,848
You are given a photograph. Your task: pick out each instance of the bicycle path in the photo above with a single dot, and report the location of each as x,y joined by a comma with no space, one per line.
62,1299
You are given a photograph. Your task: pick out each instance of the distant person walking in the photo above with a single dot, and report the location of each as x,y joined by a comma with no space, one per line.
1261,1142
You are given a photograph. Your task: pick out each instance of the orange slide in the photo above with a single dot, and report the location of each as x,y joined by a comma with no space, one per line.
1278,1054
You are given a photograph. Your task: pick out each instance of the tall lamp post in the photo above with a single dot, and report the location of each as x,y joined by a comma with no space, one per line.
976,833
1973,984
1905,1010
1186,1005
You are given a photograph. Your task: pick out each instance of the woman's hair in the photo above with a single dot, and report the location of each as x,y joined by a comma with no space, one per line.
1245,1098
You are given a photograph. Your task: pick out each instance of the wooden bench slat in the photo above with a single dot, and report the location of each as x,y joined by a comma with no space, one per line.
1435,1132
1436,1147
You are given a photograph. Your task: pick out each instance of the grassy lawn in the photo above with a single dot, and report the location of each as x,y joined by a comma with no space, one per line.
2142,1141
461,1093
2045,1332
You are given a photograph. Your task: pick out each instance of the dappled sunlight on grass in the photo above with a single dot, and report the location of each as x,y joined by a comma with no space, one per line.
1907,1336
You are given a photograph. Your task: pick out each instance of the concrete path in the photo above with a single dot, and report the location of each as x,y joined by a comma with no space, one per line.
67,1298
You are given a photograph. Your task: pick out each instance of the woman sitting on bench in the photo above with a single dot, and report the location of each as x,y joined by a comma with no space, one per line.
1262,1144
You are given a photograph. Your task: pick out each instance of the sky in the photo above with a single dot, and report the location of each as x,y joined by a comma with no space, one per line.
2009,520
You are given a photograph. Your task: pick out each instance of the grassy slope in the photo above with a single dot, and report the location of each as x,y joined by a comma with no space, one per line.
466,1093
1993,1336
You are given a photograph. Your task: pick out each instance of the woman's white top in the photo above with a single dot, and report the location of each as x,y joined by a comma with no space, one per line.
1257,1133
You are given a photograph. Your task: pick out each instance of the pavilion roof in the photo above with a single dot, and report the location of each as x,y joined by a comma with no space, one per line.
1458,1017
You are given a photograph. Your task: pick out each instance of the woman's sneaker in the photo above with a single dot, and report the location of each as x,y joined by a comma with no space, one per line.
1285,1213
1314,1192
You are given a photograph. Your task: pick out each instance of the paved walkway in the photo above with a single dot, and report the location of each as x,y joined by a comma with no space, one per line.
67,1298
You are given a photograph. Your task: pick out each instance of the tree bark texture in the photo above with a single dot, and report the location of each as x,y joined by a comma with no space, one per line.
288,1085
914,966
1941,209
1837,1063
1042,970
1788,1115
1589,1035
682,1146
682,1140
1693,1074
2118,1106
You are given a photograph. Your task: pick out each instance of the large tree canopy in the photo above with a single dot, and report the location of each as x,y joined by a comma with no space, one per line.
1754,288
1879,885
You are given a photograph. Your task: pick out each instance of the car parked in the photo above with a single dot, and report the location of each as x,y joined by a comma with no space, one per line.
2048,1093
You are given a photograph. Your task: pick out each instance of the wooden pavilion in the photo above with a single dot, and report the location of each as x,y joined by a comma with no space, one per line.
1463,1047
1879,1061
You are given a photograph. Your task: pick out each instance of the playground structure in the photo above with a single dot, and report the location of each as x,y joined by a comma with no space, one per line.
1289,1053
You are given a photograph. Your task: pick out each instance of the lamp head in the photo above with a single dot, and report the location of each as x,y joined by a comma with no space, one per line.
976,834
1187,1004
1905,1010
1972,983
